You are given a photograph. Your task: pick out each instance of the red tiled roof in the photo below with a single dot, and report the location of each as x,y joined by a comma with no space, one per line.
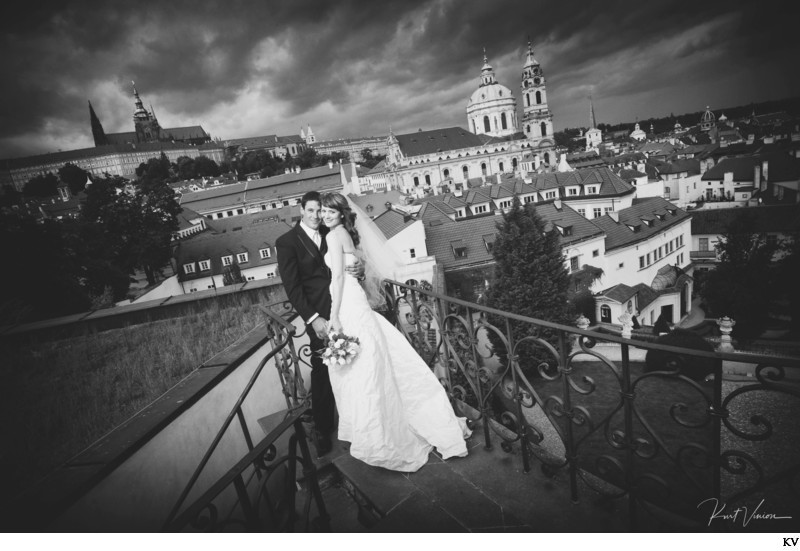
618,234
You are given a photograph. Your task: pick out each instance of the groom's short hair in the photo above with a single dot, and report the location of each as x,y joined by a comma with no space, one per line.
310,196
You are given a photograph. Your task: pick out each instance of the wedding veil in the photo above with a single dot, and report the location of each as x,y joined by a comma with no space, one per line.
380,261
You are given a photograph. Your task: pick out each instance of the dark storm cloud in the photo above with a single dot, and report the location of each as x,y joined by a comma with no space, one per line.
341,59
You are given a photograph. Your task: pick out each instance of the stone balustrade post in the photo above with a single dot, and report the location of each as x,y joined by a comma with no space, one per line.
725,324
627,324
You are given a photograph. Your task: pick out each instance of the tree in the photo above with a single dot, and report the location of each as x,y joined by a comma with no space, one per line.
232,275
43,185
74,176
205,167
41,278
10,196
530,280
741,286
184,167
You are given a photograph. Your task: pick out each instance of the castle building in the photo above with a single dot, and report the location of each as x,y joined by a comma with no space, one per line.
118,154
146,129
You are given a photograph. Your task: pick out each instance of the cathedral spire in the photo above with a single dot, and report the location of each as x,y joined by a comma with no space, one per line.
98,133
592,119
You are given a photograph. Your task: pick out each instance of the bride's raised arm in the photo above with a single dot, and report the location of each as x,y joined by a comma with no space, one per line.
336,249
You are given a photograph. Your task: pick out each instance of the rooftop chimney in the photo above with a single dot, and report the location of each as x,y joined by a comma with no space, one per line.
557,204
614,215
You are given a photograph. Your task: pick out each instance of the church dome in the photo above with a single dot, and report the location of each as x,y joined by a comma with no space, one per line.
491,92
491,108
708,116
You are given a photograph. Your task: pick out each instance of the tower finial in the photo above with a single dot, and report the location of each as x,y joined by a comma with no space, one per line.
485,59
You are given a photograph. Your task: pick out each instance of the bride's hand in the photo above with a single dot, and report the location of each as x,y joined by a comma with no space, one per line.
335,325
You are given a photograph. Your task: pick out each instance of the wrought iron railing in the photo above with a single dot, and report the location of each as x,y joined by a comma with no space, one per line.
660,426
261,474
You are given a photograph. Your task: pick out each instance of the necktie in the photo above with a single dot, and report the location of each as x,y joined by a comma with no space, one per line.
317,239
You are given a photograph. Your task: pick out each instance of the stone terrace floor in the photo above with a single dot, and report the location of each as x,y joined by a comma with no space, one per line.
484,492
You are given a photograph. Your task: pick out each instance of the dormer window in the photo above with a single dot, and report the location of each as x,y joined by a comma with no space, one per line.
591,190
634,227
227,260
550,195
647,222
188,268
459,248
660,216
674,212
205,265
564,230
488,241
265,253
241,258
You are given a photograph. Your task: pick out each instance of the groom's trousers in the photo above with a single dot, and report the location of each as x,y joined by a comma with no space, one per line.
322,401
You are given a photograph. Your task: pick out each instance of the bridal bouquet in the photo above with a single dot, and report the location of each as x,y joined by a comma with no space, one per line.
341,349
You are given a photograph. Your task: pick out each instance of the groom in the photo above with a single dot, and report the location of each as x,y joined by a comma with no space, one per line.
307,281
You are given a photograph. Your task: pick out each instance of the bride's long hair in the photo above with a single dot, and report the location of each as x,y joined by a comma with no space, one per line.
337,201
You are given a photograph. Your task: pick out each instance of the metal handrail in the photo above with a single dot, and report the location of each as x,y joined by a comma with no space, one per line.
564,384
288,331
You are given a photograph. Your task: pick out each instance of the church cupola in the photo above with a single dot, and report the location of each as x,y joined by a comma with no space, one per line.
708,120
537,120
492,108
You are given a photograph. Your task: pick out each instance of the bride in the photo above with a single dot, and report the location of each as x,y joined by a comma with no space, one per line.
392,409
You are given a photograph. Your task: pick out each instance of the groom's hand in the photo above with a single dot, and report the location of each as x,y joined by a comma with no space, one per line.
356,269
320,327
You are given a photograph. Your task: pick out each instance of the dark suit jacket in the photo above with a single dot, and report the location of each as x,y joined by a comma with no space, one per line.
305,276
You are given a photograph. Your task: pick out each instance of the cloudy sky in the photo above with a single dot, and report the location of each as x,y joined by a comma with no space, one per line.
358,68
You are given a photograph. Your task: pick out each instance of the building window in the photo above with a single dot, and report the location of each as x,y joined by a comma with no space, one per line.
241,258
641,262
465,171
621,265
591,190
528,199
270,275
573,264
606,210
265,253
427,179
597,213
503,120
219,215
550,195
416,181
596,253
412,253
572,191
205,265
188,268
460,213
480,209
486,123
501,166
648,259
582,212
230,213
239,211
666,190
227,260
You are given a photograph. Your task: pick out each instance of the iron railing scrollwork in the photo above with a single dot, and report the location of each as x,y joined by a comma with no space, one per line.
653,434
261,473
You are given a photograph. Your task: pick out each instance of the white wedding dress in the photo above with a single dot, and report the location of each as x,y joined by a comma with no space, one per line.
392,409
